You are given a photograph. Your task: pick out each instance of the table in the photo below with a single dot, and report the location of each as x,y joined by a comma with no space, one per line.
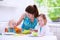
27,37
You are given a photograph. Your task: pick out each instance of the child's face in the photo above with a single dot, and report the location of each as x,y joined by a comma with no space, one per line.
40,21
12,23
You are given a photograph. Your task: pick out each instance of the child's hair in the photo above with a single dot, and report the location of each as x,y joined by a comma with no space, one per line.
32,10
44,18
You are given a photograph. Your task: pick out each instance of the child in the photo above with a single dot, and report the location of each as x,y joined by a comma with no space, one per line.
12,27
43,29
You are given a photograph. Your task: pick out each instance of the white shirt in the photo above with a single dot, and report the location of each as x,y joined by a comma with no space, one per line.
44,31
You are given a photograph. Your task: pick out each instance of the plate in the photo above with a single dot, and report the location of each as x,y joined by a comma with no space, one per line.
9,33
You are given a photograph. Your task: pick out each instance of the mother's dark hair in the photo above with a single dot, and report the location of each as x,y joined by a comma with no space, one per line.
32,10
36,11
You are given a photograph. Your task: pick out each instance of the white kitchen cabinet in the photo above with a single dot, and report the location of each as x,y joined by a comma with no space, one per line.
13,9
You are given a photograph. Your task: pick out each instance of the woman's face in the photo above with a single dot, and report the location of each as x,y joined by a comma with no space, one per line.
40,21
31,16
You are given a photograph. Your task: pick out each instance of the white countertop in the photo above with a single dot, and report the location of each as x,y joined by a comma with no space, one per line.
3,25
27,37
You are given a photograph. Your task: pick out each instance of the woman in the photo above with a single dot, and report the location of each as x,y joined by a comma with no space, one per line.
29,18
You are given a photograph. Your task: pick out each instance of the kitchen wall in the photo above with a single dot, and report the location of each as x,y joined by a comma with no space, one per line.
12,9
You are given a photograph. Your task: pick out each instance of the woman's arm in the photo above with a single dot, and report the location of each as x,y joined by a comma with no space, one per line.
20,19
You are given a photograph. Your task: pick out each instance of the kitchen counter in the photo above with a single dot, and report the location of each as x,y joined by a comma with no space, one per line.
27,37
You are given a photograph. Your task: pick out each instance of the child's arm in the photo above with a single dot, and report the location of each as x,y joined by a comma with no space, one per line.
43,31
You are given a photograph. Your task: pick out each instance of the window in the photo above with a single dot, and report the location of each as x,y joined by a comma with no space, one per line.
52,7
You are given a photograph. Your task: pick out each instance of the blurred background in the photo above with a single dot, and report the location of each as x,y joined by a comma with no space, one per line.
13,9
